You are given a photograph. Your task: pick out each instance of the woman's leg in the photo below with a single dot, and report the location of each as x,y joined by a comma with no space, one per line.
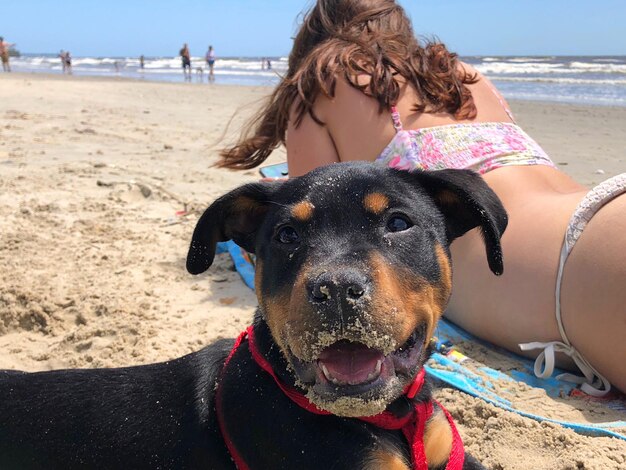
593,293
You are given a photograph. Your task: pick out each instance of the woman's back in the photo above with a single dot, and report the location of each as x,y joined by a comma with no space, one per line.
356,129
360,131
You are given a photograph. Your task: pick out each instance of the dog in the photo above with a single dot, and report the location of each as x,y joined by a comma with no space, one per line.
353,272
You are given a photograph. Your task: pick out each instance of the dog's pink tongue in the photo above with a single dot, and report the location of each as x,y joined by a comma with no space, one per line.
350,363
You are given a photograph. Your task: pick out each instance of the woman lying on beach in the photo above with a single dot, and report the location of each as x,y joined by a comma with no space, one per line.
361,87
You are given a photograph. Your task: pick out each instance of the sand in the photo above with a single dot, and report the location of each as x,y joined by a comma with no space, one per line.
101,182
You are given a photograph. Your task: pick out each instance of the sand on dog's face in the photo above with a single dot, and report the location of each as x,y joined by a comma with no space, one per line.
403,278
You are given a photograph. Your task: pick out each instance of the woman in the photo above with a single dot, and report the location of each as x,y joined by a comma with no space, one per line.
210,60
361,87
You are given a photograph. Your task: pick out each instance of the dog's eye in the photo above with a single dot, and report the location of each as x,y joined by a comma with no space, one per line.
398,223
287,235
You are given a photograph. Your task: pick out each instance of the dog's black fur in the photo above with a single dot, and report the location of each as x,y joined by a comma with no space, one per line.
315,238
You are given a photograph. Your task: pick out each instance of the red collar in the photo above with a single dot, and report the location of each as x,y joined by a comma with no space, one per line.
412,425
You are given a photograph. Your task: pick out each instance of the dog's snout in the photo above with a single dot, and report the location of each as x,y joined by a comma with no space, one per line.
338,286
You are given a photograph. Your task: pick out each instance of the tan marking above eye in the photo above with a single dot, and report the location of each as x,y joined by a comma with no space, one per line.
303,211
375,203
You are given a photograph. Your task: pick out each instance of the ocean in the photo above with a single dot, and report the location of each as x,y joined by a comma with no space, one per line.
591,80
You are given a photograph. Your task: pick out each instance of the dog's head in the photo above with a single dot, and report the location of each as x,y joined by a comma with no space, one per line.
353,269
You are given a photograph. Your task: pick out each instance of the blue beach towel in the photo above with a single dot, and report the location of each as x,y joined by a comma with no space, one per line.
460,361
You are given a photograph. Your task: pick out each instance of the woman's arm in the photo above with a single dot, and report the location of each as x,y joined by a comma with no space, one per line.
308,146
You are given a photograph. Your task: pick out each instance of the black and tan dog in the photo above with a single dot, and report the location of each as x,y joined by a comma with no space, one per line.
353,272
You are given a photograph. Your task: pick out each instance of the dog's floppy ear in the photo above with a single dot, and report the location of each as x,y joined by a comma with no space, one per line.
467,202
237,215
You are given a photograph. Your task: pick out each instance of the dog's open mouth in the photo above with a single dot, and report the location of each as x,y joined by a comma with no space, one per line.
347,363
348,368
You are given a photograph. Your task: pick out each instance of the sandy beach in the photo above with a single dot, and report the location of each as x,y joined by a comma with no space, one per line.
101,183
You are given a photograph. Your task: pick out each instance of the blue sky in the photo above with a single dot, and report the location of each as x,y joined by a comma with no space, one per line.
265,27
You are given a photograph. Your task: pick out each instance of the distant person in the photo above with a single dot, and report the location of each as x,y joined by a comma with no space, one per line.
68,62
186,58
210,60
141,62
62,59
4,54
269,64
262,63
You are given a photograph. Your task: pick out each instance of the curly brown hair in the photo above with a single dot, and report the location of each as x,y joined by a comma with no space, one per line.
351,38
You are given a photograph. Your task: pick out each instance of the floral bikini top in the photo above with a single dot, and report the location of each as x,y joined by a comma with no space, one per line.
481,146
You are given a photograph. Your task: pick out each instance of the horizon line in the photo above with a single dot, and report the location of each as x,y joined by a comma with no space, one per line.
287,55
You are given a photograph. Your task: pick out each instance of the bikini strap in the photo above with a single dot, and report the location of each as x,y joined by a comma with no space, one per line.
498,95
395,117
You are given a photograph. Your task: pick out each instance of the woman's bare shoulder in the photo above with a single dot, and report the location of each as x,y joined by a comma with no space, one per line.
467,68
359,128
490,103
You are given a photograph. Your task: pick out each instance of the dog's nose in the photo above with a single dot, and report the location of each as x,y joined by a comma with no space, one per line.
339,286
